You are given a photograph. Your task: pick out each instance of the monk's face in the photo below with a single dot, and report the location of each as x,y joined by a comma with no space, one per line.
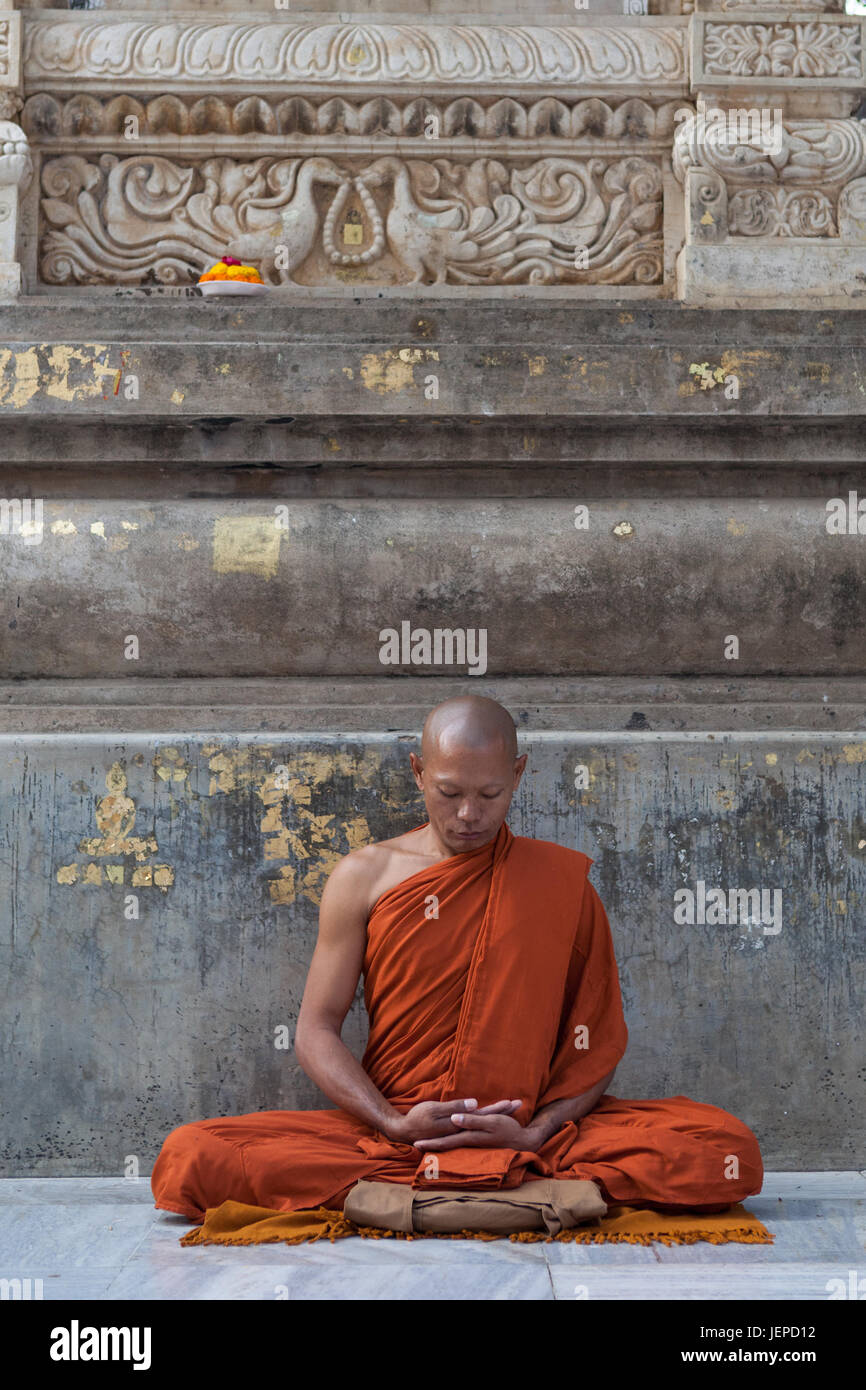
467,791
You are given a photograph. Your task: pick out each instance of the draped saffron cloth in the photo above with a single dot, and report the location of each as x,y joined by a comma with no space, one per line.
491,975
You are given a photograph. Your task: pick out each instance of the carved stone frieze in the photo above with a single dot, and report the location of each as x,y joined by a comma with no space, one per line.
47,116
781,212
315,220
808,49
395,152
827,151
786,181
262,53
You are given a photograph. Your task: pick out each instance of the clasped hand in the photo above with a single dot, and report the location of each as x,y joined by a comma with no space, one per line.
434,1125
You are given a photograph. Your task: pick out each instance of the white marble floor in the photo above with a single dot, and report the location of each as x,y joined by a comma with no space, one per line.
101,1238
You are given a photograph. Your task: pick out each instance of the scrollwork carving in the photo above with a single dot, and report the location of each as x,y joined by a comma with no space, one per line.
707,206
830,151
781,212
478,222
805,184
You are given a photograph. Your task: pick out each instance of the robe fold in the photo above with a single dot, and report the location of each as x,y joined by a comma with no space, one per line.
491,975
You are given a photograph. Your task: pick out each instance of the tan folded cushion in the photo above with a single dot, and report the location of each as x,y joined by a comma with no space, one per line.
547,1204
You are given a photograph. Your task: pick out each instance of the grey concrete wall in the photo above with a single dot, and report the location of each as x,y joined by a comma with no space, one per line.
122,1028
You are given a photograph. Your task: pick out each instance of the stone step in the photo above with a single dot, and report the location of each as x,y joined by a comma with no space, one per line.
361,588
557,706
478,356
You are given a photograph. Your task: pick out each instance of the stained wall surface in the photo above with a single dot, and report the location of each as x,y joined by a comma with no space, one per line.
120,1028
255,542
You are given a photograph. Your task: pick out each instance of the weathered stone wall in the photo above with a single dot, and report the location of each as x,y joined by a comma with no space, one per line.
121,1029
646,591
256,734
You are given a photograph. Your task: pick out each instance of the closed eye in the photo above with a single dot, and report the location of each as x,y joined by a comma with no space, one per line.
488,796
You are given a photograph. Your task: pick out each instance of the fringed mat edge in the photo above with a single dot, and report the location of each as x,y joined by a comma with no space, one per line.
341,1227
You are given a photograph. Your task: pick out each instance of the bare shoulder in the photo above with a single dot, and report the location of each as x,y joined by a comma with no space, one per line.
356,875
361,876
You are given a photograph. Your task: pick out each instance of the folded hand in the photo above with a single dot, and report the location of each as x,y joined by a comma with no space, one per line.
447,1124
489,1128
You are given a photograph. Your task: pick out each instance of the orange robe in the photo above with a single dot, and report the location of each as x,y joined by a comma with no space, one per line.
510,991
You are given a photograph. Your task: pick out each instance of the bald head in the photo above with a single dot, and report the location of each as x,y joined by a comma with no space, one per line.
470,722
468,771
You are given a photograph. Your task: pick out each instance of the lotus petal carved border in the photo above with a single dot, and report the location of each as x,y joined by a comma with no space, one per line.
47,116
147,219
61,53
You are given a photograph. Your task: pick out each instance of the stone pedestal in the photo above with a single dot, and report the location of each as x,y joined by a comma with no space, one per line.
772,160
833,277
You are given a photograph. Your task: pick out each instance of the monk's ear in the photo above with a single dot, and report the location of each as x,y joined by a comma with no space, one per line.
417,767
519,767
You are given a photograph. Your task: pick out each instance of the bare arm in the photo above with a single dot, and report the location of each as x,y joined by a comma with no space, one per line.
550,1118
331,983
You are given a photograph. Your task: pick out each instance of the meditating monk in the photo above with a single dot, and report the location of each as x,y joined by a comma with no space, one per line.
496,1024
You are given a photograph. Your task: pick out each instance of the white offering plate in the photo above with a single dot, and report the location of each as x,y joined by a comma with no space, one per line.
231,287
